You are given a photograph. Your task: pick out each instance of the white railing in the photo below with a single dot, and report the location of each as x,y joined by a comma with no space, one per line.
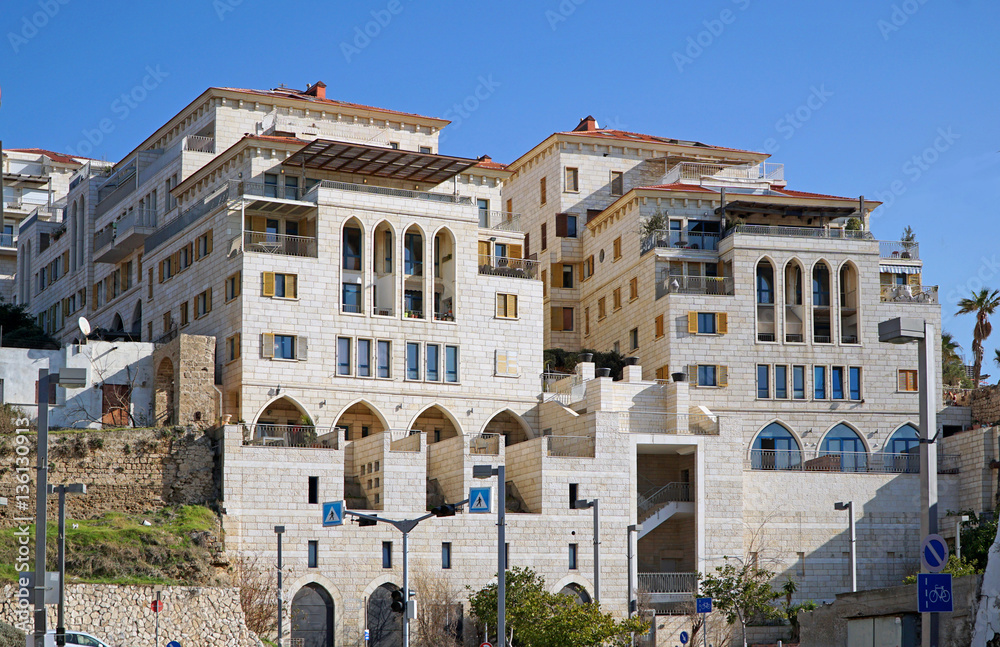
500,220
707,285
519,268
350,308
897,249
670,492
268,435
396,193
697,171
562,387
145,217
909,293
199,144
570,446
267,243
800,232
668,582
382,311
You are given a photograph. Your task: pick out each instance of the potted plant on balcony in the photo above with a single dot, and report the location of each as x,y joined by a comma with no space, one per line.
853,224
908,240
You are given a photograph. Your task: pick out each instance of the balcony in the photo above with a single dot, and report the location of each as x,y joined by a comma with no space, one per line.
800,232
499,220
281,244
791,460
658,421
675,239
8,240
124,236
199,144
301,436
706,285
697,172
395,193
909,294
569,446
668,583
518,268
898,250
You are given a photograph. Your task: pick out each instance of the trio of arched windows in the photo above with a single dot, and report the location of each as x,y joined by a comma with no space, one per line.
842,449
796,314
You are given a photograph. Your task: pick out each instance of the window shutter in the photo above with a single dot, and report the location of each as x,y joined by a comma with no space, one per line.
579,272
268,284
267,345
693,374
721,375
208,243
900,380
722,323
556,317
512,305
484,250
175,263
659,325
301,348
527,247
885,278
501,304
557,276
693,322
501,368
562,226
65,308
515,251
208,300
913,279
161,271
292,285
512,362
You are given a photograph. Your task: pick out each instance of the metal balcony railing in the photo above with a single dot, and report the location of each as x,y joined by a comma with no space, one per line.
675,239
799,232
519,268
382,311
697,171
659,495
707,285
395,193
8,240
909,293
860,462
668,582
266,243
896,249
104,238
267,435
262,190
499,220
199,144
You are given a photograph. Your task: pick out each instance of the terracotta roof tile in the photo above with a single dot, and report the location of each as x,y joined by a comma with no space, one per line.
624,135
55,157
291,93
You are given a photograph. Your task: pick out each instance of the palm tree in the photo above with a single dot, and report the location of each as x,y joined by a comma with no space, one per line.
983,303
996,356
952,365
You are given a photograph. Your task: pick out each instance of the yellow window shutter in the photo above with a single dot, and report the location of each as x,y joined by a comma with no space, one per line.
556,316
693,322
161,271
208,243
913,279
722,375
267,345
512,305
175,263
659,325
484,249
900,380
885,278
512,362
268,284
208,300
292,285
692,371
501,363
501,304
722,323
579,271
65,308
557,276
515,251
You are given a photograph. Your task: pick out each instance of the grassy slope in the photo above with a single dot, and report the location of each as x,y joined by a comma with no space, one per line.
117,548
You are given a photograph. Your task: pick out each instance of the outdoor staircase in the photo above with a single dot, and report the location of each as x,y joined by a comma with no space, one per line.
661,503
354,496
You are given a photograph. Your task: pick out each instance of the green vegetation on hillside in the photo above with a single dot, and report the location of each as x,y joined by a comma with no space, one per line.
118,549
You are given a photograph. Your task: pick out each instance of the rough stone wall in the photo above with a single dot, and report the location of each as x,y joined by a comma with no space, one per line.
120,615
128,470
986,405
190,379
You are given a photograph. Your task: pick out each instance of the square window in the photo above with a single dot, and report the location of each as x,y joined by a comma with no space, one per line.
284,346
907,380
506,306
351,298
706,323
706,375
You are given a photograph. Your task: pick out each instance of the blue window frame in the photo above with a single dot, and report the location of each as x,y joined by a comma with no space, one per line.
903,450
352,249
451,363
799,382
433,354
781,382
706,323
775,448
844,442
364,358
313,554
413,254
763,381
765,283
819,382
821,285
351,297
837,382
284,346
384,359
412,361
855,382
343,355
706,375
413,302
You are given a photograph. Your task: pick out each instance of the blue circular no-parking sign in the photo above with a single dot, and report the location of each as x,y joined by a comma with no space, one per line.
934,553
173,643
684,637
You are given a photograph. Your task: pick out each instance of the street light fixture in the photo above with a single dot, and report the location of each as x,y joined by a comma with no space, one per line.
62,491
958,535
68,378
636,528
485,472
903,330
593,503
849,506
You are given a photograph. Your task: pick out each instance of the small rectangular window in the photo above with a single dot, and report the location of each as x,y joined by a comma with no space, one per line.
567,275
506,306
572,557
313,554
617,183
446,554
433,356
572,179
819,382
574,495
658,324
855,385
233,287
364,358
284,346
907,380
343,355
545,239
386,554
837,382
763,381
706,375
233,347
616,298
185,318
706,323
541,191
633,288
425,149
633,339
350,298
313,489
799,382
412,361
602,310
781,382
451,364
384,359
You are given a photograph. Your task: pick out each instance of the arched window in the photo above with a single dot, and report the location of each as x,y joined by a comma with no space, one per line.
765,301
848,304
844,442
775,448
794,314
821,304
902,450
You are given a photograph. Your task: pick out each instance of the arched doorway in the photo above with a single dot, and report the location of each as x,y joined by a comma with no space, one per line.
507,425
117,325
164,403
312,616
385,626
775,448
136,329
577,592
360,420
436,423
286,420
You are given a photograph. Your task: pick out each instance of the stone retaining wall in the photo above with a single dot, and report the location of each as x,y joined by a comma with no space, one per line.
121,615
986,405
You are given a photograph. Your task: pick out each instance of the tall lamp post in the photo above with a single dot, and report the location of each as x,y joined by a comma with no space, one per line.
849,506
278,530
69,378
62,491
485,472
903,330
637,527
958,535
593,503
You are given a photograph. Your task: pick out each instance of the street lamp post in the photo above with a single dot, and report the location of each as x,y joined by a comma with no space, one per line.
958,535
485,472
594,503
68,377
405,526
849,506
279,530
62,491
903,330
631,557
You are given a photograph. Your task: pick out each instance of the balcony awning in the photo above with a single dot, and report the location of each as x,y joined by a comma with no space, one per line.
783,208
899,269
378,161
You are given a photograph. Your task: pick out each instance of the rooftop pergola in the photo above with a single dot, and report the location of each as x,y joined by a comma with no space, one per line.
378,161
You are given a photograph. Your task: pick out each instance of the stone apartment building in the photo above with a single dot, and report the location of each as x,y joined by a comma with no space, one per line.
379,310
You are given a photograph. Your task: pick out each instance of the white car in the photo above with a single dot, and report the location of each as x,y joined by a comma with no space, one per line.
72,638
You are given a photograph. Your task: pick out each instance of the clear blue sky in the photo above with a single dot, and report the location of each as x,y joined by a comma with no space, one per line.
846,94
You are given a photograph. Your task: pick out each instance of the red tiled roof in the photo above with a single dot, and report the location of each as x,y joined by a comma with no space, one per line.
736,196
274,138
678,187
805,194
496,166
624,135
291,93
55,157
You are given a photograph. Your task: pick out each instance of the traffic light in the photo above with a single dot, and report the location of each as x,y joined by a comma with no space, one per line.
398,602
364,521
446,510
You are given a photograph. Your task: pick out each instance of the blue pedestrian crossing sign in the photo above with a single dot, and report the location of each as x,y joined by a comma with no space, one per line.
934,593
703,605
333,513
479,499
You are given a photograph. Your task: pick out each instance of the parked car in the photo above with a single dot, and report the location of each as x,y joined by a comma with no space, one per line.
72,638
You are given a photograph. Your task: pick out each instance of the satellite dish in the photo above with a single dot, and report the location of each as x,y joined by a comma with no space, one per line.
84,326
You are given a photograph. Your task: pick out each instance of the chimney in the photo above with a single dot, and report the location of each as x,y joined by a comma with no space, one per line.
317,90
587,123
485,158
